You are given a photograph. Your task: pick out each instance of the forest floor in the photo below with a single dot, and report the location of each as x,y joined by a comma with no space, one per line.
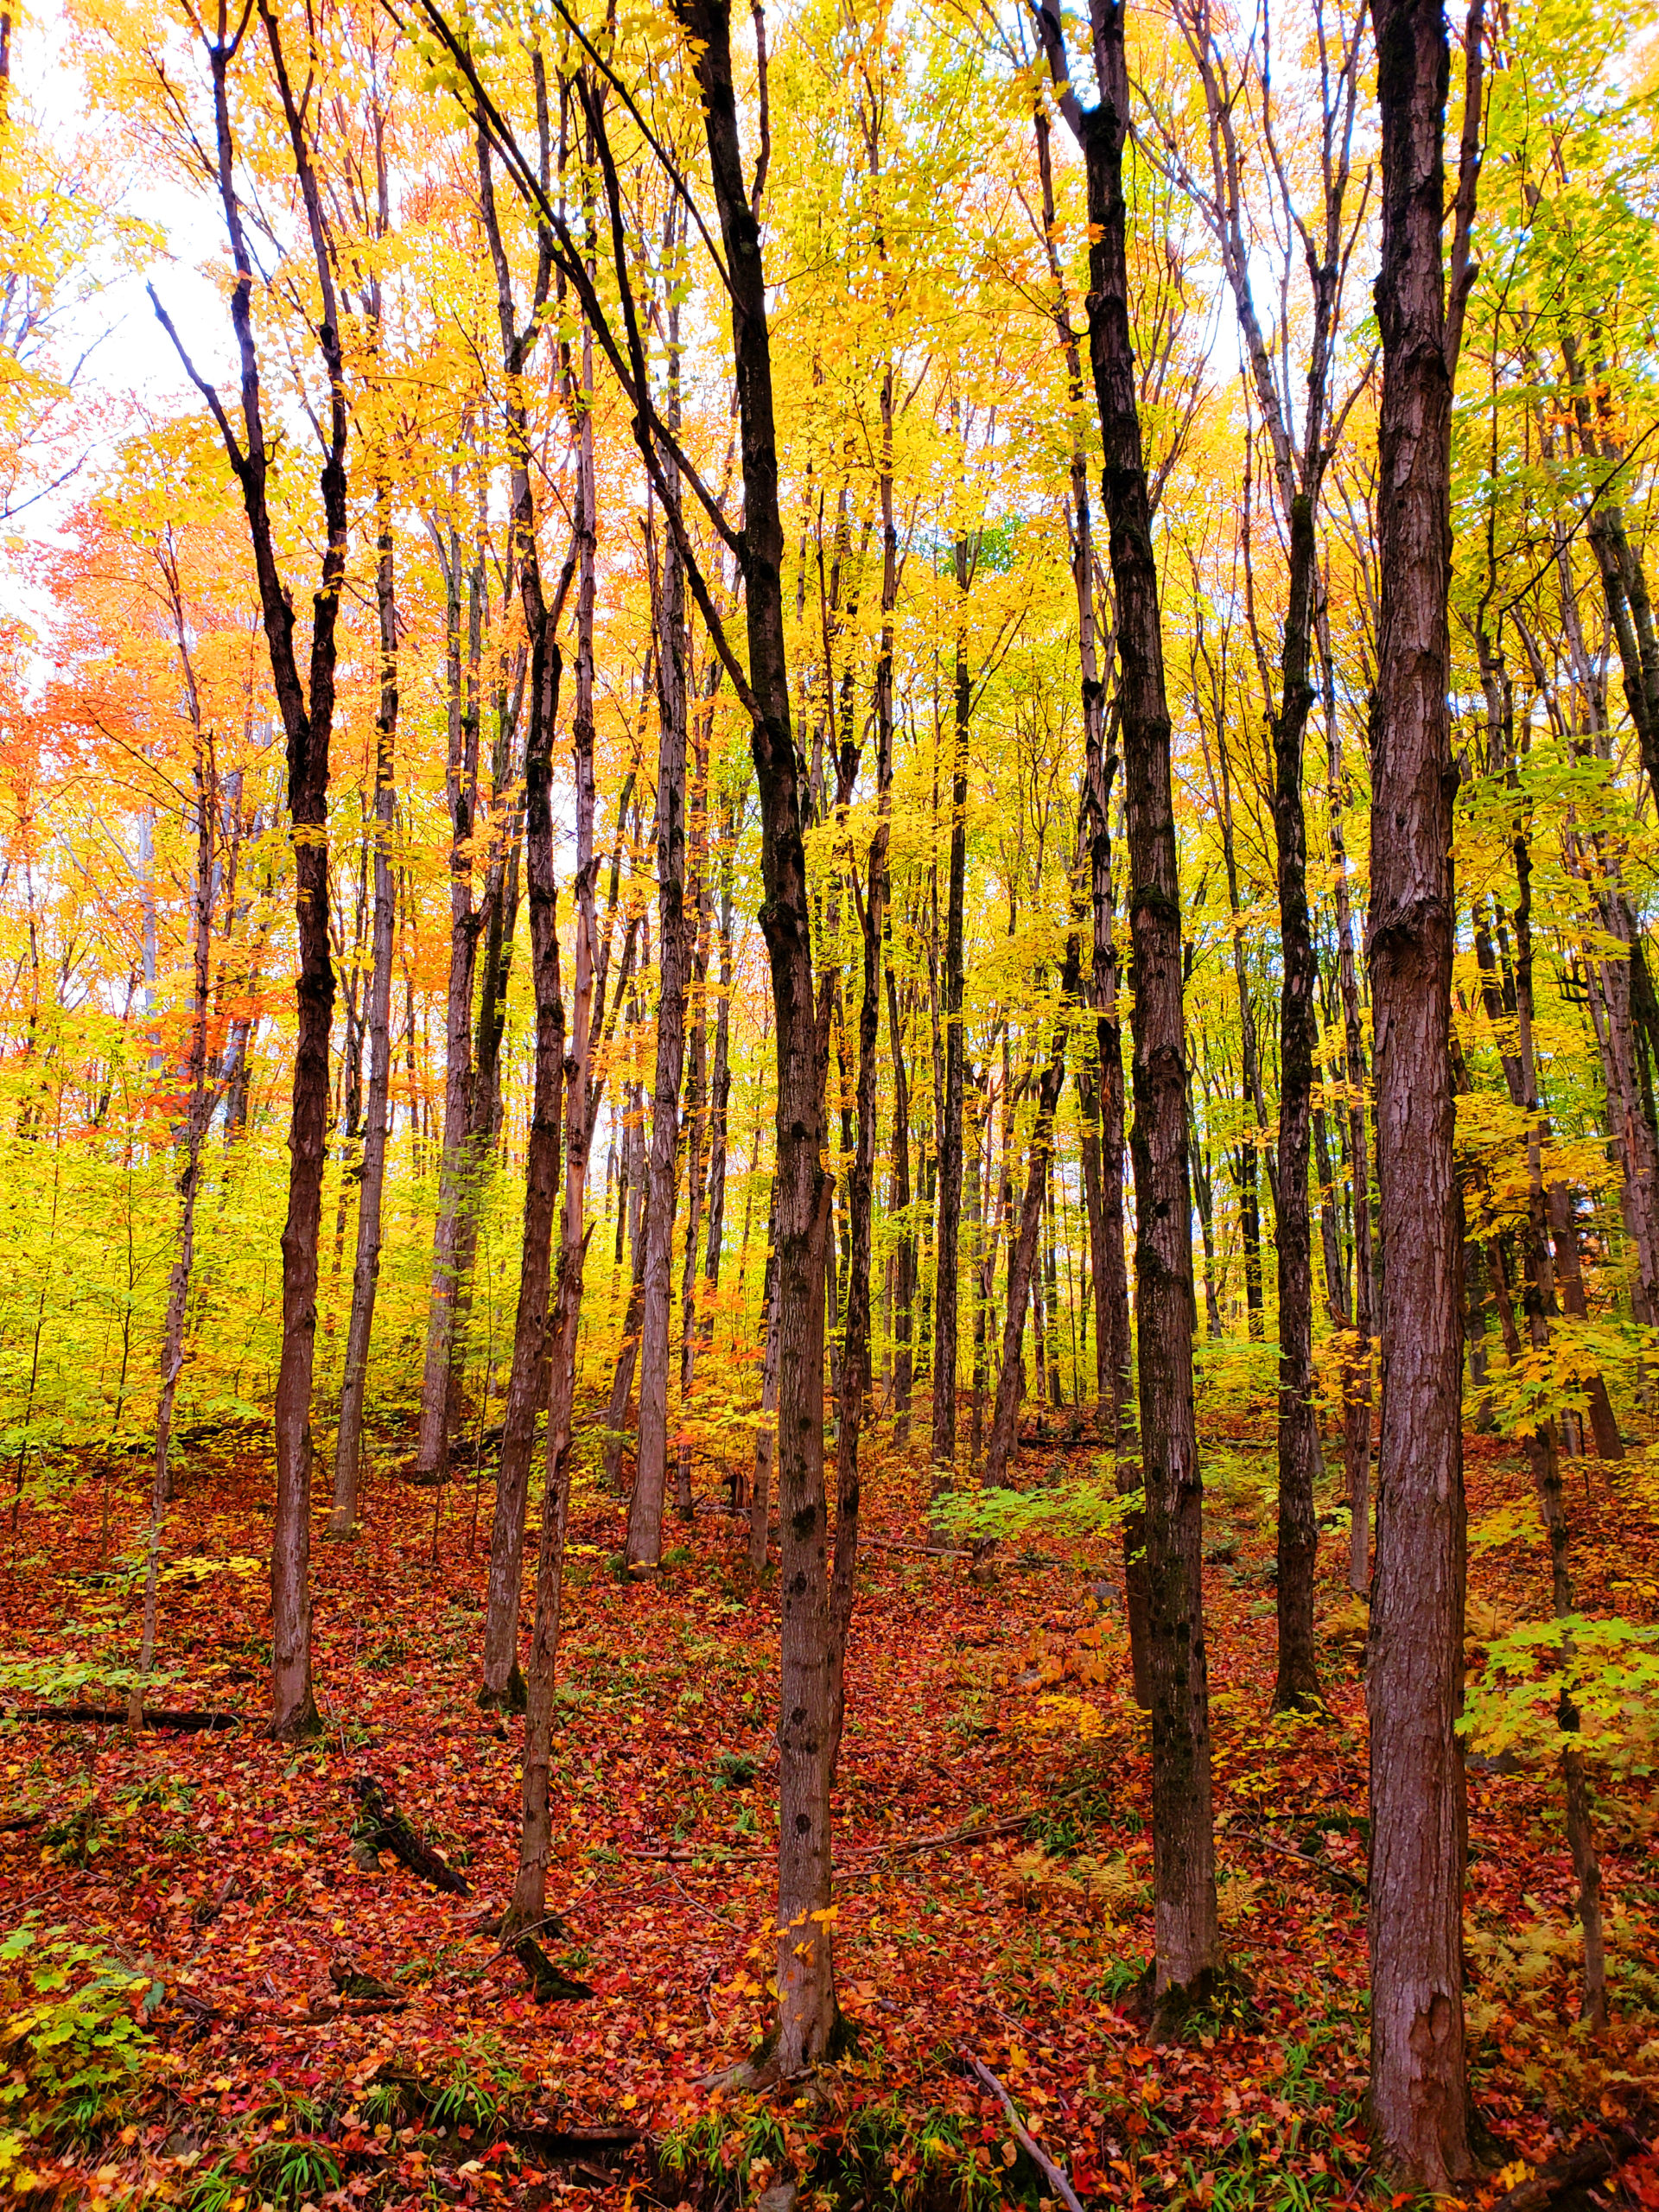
992,1867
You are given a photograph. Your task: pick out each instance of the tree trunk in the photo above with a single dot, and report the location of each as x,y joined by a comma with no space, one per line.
1419,2088
856,1350
195,1133
503,1681
431,1450
946,1267
1184,1884
1022,1252
529,1902
371,1183
765,1436
307,706
695,1116
1297,1683
810,1673
645,1539
1356,1377
904,1274
622,1384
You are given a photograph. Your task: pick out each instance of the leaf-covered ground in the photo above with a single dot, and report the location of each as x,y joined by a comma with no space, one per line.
992,1856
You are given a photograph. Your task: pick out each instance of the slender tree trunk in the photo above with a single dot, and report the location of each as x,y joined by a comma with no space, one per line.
855,1351
1544,1461
307,706
1418,2088
945,1262
1297,1683
195,1133
721,1083
503,1681
529,1901
458,1079
1184,1884
695,1119
626,1358
645,1539
1357,1378
1022,1252
765,1436
367,1268
810,1686
903,1283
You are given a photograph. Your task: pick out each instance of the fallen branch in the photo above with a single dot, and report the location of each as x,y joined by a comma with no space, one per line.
345,2008
1054,2175
978,1832
944,1551
381,1827
114,1716
1592,2161
1328,1866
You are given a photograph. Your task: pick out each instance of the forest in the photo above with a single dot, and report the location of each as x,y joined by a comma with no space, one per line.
828,853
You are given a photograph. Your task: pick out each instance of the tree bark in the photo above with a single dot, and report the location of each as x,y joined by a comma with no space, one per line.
766,1435
503,1681
307,708
1022,1252
197,1112
1184,1882
644,1539
365,1272
529,1902
461,787
945,1258
903,1281
1419,2088
811,1673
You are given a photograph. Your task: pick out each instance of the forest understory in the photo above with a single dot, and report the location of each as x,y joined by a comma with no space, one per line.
260,2016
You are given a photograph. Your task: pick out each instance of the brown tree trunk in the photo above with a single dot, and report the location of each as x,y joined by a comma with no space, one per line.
1022,1252
644,1539
1418,2088
810,1674
529,1902
197,1111
949,1230
307,706
904,1273
1357,1378
622,1382
503,1681
432,1452
1183,1882
365,1272
695,1117
766,1435
1297,1682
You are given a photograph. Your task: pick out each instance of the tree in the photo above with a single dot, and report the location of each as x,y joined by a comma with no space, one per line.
1182,1828
1418,2086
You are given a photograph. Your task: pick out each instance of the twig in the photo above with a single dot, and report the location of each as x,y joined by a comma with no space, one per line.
1054,2175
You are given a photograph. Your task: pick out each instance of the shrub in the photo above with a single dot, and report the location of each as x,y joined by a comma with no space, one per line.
74,2030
